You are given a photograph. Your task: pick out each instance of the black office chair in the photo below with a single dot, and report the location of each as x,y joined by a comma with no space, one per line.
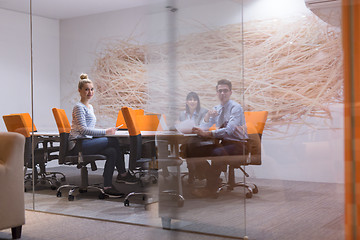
255,122
141,154
44,151
80,160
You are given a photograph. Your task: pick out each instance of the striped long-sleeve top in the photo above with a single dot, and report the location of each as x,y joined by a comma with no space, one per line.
83,122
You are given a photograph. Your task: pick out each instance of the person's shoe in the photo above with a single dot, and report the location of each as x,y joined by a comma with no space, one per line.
203,193
128,179
112,191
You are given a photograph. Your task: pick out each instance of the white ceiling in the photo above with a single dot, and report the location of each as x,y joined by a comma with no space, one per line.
63,9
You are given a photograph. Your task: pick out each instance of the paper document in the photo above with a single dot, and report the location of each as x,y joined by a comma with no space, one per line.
185,126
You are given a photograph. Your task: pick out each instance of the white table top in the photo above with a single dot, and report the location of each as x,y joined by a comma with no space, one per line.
126,133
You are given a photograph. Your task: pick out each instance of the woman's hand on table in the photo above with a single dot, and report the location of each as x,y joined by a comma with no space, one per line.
111,131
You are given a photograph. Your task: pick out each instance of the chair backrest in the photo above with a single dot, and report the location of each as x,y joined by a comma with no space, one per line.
130,119
16,123
27,120
121,120
135,137
63,148
147,122
62,120
255,123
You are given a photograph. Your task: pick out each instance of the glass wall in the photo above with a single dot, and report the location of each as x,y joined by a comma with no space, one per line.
285,62
293,70
197,44
15,68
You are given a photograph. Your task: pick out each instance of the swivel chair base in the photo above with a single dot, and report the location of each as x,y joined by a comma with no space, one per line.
73,188
231,184
84,186
44,177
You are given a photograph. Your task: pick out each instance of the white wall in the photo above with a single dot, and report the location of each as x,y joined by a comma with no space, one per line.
265,9
15,67
79,43
14,63
305,153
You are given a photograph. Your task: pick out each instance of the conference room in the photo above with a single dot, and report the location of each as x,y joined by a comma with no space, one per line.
148,61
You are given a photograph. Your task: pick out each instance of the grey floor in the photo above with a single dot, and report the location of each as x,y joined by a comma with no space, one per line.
47,226
281,209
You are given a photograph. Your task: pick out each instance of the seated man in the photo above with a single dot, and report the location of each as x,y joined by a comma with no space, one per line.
231,133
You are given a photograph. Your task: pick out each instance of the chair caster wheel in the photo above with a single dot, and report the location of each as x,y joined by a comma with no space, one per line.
249,195
126,203
102,196
58,194
71,198
255,190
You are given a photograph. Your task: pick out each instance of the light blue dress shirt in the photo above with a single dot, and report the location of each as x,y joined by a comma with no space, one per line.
234,128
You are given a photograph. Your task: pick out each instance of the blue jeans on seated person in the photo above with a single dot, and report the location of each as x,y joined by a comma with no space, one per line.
109,147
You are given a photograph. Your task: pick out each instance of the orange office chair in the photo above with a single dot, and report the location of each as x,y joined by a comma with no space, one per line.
147,122
48,142
80,160
137,158
22,123
255,123
27,120
121,121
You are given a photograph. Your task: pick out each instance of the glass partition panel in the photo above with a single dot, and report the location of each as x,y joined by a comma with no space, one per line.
146,58
16,76
293,70
284,60
192,45
46,95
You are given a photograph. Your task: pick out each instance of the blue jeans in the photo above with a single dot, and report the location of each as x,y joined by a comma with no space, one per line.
109,147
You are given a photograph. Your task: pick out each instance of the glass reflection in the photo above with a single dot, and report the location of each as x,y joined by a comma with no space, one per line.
284,61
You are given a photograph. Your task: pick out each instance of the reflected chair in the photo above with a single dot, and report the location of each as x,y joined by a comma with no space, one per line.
255,123
81,161
141,153
43,147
